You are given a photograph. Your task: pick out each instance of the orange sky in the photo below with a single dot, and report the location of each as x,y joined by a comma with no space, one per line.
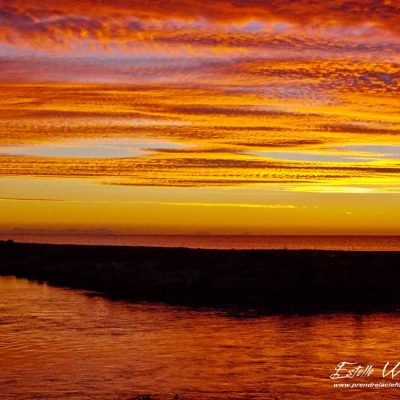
179,117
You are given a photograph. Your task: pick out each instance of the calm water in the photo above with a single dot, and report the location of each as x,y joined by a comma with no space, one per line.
372,243
62,344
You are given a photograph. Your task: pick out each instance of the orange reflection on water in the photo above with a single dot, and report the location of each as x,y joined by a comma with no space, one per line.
60,343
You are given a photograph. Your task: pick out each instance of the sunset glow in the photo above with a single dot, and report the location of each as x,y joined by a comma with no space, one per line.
214,117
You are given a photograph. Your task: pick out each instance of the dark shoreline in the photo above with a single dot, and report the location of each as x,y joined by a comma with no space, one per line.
301,281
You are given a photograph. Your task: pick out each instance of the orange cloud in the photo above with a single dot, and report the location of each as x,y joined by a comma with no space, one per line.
62,23
380,12
274,98
223,137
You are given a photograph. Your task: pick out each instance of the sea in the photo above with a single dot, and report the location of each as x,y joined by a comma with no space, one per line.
64,344
290,242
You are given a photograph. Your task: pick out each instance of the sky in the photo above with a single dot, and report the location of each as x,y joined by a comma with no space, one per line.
231,116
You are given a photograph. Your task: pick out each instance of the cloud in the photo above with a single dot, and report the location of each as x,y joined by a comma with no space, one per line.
218,131
361,129
230,111
62,23
26,199
234,205
348,12
197,170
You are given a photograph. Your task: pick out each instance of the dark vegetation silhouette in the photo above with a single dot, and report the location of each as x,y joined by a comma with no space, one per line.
273,280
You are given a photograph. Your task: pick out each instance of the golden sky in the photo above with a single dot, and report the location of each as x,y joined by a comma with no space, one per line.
233,116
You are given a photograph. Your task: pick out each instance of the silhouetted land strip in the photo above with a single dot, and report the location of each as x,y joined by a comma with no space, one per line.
275,280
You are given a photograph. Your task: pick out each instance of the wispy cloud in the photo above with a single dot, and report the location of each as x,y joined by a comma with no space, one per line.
105,21
251,93
235,205
221,136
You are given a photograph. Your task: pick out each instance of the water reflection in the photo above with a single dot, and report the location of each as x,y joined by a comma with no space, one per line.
62,344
